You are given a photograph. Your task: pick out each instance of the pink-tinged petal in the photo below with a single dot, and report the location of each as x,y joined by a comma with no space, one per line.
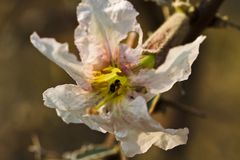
137,131
59,54
102,25
177,67
71,103
129,56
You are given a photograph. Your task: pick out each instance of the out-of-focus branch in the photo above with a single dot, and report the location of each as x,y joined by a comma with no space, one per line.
223,22
182,107
180,28
170,34
205,13
36,148
40,153
92,152
109,141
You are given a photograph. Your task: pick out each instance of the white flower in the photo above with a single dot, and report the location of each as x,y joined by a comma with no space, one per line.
109,96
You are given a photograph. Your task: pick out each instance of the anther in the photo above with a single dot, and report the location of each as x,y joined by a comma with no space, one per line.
115,86
112,88
117,82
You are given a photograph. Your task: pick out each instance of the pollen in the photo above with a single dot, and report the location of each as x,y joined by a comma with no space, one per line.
111,83
110,80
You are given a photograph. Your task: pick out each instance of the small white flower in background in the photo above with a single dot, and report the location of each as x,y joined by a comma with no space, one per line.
109,96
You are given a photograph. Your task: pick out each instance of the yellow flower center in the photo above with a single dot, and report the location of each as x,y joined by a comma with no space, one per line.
111,83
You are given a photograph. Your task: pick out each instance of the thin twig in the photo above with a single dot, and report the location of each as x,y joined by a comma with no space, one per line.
154,103
182,107
166,12
122,156
224,22
36,148
132,39
109,141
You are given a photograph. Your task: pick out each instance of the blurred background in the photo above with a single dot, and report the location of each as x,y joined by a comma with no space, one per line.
24,74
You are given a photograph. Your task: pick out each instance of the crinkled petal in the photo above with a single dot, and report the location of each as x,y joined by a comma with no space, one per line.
80,117
102,25
69,97
103,120
71,103
137,142
59,54
135,113
137,131
177,67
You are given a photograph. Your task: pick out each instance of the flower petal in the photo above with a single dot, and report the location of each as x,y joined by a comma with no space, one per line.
59,54
103,120
137,131
80,117
69,97
102,25
138,142
177,67
135,113
129,56
71,103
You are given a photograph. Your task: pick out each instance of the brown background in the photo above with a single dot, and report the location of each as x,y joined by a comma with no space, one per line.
24,74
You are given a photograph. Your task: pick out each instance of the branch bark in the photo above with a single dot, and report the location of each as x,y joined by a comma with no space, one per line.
180,28
205,14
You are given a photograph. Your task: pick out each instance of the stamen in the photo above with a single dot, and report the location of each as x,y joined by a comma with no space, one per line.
112,88
115,86
111,83
104,101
